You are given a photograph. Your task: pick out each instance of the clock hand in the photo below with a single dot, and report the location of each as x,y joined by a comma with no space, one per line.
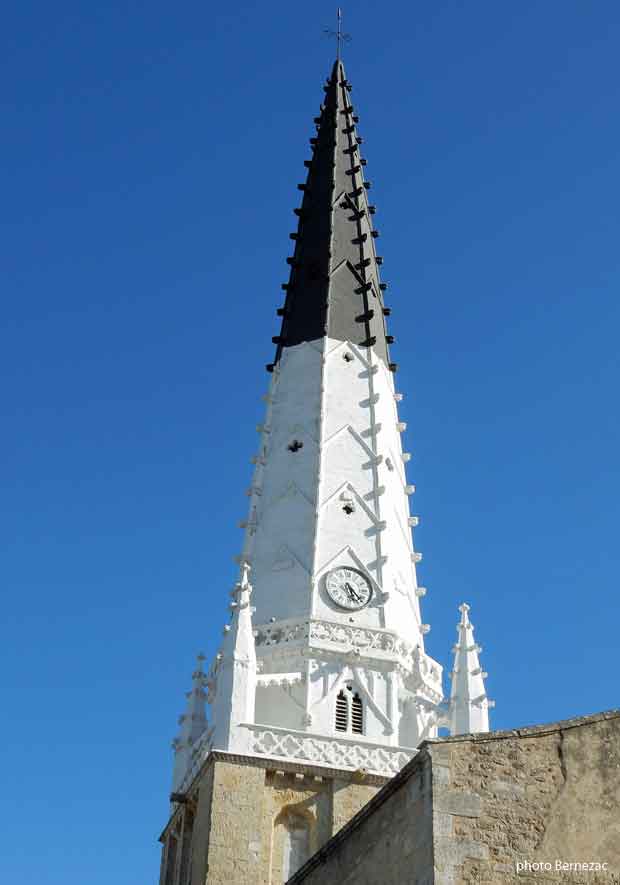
352,593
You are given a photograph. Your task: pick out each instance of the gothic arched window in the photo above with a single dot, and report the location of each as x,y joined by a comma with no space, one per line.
296,847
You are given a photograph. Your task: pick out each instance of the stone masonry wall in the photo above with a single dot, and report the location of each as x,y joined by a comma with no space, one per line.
240,812
481,808
291,793
347,799
227,847
533,797
389,840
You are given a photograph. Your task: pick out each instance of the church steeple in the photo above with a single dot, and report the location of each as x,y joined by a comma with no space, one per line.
329,664
334,287
322,688
328,532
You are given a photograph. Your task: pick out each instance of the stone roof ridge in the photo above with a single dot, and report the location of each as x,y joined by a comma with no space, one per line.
334,285
527,730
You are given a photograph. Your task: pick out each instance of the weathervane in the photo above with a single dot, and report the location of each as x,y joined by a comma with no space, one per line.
339,34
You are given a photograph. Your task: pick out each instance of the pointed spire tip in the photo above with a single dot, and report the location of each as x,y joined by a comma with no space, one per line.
464,610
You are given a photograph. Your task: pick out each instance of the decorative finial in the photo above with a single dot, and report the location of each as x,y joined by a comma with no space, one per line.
339,34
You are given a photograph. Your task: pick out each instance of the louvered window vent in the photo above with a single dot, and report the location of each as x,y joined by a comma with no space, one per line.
357,715
342,712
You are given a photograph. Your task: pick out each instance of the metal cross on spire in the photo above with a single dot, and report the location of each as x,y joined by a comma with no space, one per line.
339,34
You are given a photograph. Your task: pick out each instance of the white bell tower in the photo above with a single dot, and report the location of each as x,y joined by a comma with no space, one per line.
327,666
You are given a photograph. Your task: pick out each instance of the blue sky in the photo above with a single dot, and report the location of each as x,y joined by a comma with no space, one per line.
151,153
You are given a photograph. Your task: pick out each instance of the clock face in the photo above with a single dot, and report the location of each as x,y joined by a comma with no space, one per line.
348,588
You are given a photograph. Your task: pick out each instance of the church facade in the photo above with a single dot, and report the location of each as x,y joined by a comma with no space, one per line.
322,688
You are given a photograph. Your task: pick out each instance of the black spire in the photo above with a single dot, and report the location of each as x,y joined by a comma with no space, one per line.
334,286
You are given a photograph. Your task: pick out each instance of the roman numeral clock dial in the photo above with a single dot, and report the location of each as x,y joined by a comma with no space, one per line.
347,588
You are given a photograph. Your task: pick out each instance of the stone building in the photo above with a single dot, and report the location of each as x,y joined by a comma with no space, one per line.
526,806
322,690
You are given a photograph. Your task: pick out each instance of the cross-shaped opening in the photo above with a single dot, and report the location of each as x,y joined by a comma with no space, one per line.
348,508
295,446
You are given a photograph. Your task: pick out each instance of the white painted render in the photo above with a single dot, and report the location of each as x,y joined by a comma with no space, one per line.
329,490
232,688
193,723
344,413
469,705
340,498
